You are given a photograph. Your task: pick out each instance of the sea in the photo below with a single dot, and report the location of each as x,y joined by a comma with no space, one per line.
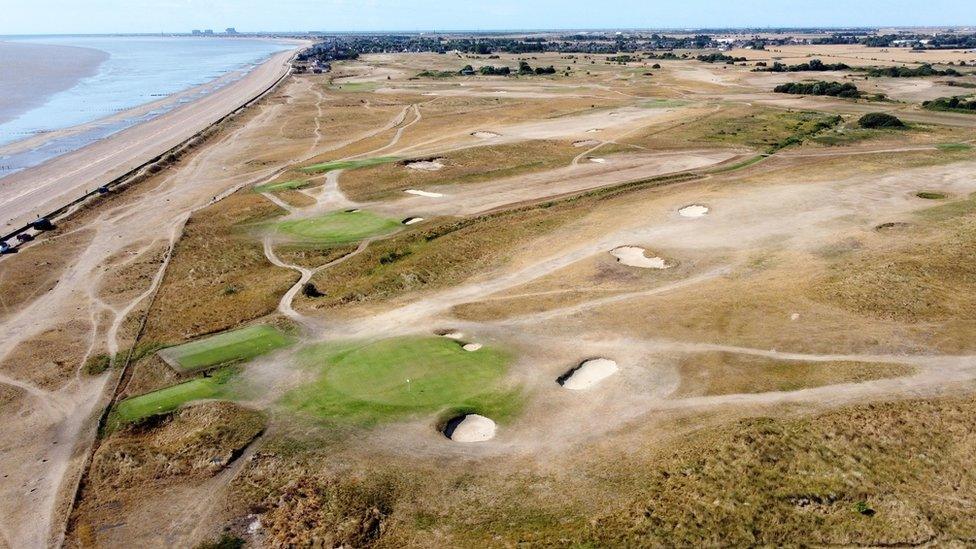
45,90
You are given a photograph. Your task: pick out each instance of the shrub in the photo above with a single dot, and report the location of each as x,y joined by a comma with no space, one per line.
880,120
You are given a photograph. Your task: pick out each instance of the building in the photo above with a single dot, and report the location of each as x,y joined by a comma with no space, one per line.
230,30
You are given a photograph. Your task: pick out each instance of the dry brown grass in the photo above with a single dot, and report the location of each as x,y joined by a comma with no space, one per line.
37,268
470,165
133,464
719,373
52,357
218,276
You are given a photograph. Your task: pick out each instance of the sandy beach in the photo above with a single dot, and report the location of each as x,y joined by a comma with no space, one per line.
34,72
36,191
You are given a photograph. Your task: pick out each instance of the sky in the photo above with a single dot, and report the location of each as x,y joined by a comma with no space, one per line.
117,16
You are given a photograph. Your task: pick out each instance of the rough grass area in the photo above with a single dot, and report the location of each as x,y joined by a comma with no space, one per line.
219,276
662,103
137,463
931,195
952,147
766,130
337,228
281,186
226,348
399,377
926,277
470,165
889,474
348,164
169,399
720,373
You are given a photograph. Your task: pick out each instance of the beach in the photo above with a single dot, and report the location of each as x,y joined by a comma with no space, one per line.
33,192
35,72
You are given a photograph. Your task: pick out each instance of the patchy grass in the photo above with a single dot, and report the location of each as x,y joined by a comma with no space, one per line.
169,399
720,373
349,164
337,228
219,276
227,348
931,195
662,103
393,378
471,165
281,186
954,147
355,87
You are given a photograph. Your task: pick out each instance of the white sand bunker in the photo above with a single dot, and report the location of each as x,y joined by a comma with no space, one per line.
635,256
586,143
694,210
470,428
472,347
594,130
424,193
354,210
426,165
598,160
588,374
412,220
485,135
450,334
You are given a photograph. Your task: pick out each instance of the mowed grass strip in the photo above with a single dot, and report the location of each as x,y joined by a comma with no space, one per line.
337,228
281,186
168,399
394,378
226,348
349,164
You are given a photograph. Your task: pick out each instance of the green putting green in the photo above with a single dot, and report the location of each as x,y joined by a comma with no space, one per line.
171,398
349,164
402,376
337,228
280,186
226,348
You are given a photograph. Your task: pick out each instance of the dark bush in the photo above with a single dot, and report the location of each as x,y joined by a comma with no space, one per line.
880,120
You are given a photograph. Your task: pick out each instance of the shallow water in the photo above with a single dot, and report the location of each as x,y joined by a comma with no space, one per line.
137,71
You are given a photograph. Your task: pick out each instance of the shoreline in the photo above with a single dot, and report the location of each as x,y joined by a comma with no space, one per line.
39,190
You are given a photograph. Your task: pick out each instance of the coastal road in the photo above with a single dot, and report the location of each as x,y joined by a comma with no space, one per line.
44,188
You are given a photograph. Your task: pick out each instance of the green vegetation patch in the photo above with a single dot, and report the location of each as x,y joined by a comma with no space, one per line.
349,164
880,120
226,348
337,228
168,399
953,147
394,378
931,195
662,103
281,186
951,104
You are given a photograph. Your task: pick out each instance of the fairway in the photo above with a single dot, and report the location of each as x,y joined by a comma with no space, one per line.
401,376
226,348
171,398
337,228
281,186
349,164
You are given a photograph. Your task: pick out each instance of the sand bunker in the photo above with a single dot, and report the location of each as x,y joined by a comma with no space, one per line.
472,347
588,374
470,428
426,165
694,210
354,210
485,135
412,220
635,256
594,130
598,160
450,334
423,193
586,143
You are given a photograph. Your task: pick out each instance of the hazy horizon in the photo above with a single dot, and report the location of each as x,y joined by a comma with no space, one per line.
179,16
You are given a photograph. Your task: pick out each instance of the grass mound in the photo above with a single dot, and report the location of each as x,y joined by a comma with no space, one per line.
226,348
337,228
168,399
281,186
398,377
349,164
